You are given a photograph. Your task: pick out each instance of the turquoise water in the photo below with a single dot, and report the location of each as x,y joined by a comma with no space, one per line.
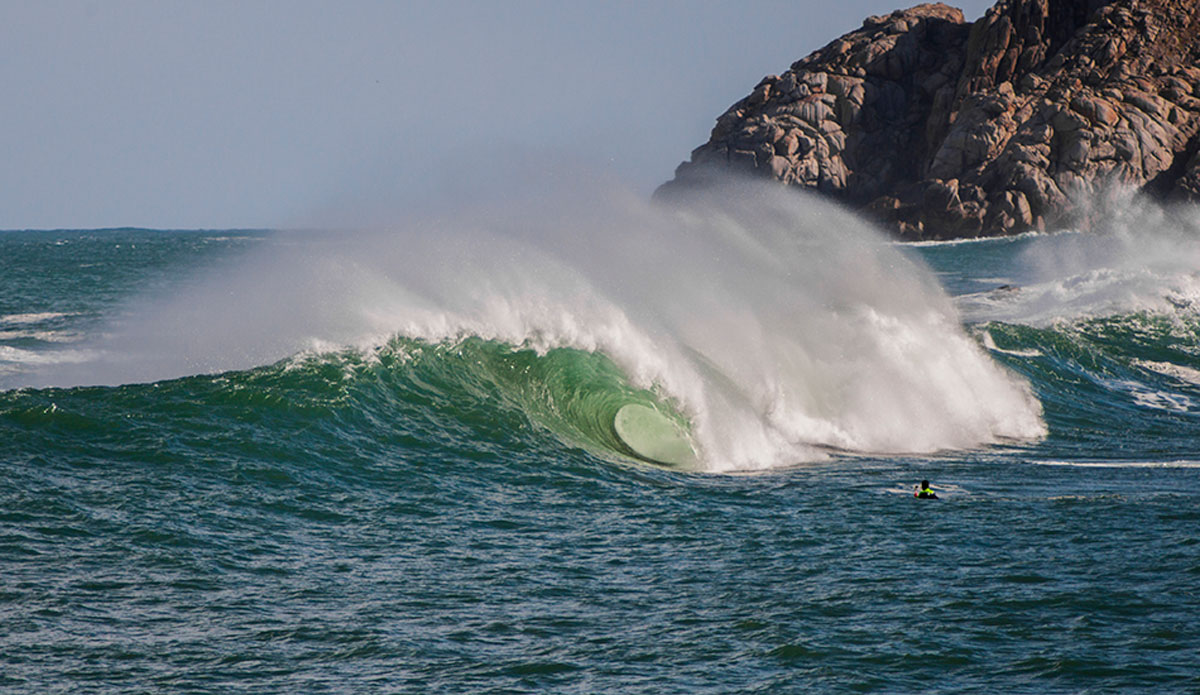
361,508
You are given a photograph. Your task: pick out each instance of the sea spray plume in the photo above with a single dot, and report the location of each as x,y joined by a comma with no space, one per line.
822,334
1144,255
780,325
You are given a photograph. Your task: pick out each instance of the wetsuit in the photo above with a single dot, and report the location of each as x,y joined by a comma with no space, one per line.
925,494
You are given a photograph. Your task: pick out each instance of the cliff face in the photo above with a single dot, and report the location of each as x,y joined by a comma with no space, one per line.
941,128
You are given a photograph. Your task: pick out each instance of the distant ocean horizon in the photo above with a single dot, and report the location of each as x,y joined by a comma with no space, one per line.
388,461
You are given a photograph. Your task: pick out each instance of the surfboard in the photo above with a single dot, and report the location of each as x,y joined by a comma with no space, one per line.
653,436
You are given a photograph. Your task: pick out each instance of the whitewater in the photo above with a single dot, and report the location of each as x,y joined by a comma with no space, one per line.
738,310
383,456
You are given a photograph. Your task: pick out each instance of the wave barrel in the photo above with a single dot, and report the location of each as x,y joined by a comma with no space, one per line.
653,436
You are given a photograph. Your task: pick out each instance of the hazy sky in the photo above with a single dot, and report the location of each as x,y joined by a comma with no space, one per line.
262,113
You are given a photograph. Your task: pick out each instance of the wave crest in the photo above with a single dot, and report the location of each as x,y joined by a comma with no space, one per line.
780,325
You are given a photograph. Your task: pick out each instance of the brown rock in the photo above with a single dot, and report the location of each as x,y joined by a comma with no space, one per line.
940,128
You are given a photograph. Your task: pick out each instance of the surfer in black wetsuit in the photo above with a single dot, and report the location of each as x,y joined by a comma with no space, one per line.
923,492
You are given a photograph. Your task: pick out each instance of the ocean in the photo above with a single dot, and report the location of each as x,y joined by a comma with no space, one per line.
386,459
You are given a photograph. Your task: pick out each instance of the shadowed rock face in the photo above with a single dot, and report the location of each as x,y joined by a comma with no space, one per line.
939,128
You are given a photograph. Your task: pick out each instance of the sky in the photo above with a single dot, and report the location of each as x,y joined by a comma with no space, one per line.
271,113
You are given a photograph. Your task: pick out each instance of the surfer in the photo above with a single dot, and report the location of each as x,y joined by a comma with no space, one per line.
923,492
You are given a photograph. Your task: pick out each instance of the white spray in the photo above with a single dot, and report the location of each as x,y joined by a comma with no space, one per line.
1143,256
780,324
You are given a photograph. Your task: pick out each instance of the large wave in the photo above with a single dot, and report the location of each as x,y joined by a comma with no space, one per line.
778,325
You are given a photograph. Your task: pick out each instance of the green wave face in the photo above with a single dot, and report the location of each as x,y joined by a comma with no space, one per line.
490,396
574,394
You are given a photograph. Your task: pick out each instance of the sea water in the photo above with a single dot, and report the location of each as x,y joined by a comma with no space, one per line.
383,460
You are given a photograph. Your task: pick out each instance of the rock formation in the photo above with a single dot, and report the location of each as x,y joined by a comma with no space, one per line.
940,128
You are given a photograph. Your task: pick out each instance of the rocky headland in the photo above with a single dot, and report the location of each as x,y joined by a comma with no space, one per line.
1029,118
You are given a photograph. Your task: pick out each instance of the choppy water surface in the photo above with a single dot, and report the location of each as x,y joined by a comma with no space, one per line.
315,464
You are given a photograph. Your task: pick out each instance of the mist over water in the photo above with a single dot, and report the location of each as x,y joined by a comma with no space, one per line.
779,325
1143,256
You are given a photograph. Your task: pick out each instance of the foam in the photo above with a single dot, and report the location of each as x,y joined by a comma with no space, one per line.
40,317
1143,257
1183,463
779,324
18,356
44,336
1176,371
1147,397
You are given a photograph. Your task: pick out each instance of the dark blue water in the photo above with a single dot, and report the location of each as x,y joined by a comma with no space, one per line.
456,516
